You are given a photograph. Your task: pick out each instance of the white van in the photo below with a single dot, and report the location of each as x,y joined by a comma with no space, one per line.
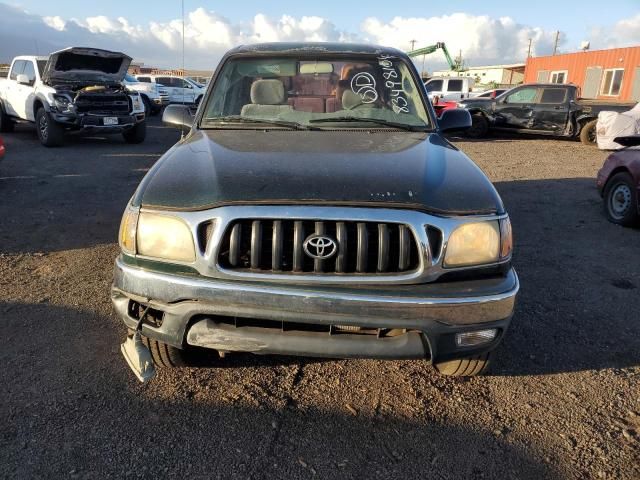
180,89
449,88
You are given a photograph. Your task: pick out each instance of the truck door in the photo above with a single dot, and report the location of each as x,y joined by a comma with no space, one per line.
516,110
23,95
11,87
175,93
552,110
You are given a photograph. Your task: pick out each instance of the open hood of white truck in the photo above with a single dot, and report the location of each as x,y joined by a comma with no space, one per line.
85,65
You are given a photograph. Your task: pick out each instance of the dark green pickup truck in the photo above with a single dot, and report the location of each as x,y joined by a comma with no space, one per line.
540,108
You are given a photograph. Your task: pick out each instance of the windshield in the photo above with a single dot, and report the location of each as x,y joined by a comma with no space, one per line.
344,92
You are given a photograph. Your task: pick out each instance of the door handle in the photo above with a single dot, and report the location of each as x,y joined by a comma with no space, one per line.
557,107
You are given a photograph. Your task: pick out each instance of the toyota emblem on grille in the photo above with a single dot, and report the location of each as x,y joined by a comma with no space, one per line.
320,247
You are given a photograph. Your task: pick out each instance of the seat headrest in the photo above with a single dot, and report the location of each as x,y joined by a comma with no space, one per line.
267,92
350,100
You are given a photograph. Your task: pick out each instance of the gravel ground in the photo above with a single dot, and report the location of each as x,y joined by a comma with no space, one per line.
561,400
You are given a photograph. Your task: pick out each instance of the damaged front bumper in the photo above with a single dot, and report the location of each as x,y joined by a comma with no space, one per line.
289,319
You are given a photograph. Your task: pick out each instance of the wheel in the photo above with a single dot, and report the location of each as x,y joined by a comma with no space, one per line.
148,110
465,367
50,133
621,200
6,124
164,356
136,134
588,134
479,126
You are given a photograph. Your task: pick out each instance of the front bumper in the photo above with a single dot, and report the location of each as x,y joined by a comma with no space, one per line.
95,123
431,314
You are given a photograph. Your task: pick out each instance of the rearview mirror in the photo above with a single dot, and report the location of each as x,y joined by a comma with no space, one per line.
22,79
454,120
178,116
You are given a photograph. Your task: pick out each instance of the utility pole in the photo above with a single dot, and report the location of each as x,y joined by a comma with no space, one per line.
529,50
413,44
555,44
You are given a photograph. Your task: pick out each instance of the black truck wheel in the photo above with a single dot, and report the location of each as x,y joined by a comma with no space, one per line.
588,134
621,200
136,134
6,124
148,109
164,356
50,133
479,126
465,367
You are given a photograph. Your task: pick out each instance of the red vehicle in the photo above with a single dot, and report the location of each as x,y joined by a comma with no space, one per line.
619,184
441,105
2,149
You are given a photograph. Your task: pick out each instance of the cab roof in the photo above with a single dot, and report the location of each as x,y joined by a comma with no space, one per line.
305,48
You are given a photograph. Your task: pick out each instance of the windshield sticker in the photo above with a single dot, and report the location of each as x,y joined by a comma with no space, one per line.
364,85
391,76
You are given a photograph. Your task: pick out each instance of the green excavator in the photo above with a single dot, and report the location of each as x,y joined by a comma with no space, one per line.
455,65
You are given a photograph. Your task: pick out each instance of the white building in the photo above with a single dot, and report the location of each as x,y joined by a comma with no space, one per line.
512,74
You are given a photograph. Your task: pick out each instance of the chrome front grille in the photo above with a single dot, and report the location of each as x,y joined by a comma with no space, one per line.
277,246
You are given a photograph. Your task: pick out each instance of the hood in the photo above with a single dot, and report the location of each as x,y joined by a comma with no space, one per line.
85,65
479,102
390,169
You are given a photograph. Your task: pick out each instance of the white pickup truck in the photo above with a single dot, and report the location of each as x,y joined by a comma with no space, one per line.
449,88
75,89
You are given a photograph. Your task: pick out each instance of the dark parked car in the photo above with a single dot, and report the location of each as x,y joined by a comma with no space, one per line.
543,109
2,148
314,208
619,184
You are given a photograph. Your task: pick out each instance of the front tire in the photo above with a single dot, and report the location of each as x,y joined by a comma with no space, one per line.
621,200
50,133
588,134
6,124
136,134
148,108
465,367
479,126
164,356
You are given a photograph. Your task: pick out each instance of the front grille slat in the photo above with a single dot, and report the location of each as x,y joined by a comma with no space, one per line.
277,246
256,244
318,263
383,247
234,244
298,240
341,237
363,248
404,247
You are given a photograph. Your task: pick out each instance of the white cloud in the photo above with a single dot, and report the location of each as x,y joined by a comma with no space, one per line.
624,33
482,39
57,23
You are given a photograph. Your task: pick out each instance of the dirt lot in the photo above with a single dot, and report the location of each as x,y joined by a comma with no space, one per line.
562,400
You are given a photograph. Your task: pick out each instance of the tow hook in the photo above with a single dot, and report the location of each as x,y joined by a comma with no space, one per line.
137,355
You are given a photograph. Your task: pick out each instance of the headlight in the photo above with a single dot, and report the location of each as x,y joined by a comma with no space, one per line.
461,105
137,103
61,102
473,244
164,237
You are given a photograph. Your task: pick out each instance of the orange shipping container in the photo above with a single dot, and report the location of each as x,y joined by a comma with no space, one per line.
612,75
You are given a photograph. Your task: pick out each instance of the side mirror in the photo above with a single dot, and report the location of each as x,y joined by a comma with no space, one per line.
454,120
22,79
178,116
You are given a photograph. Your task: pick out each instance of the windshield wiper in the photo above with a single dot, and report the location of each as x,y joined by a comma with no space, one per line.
386,123
241,119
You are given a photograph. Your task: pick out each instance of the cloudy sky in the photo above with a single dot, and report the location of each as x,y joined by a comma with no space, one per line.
485,31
